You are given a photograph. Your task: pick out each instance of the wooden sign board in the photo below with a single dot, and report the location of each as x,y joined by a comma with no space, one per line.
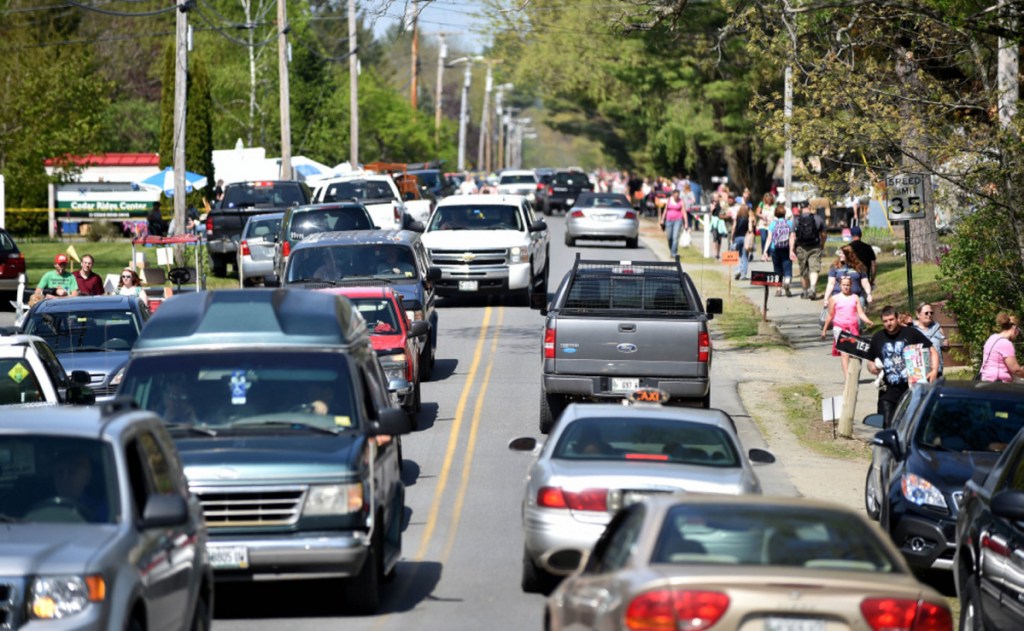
854,345
731,257
765,279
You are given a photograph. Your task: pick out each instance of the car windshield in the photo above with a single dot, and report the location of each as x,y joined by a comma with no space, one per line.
50,479
334,219
604,201
265,229
766,535
489,217
359,190
518,179
83,331
337,262
970,423
670,441
269,194
18,383
226,390
380,315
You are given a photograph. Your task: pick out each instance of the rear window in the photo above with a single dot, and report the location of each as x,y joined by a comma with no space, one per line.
316,220
518,179
264,229
18,384
6,243
970,423
647,439
571,179
656,293
269,194
430,179
359,190
604,201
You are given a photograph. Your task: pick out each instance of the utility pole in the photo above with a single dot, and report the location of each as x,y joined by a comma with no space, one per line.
1009,62
282,69
180,111
485,118
415,72
494,161
464,114
442,56
353,101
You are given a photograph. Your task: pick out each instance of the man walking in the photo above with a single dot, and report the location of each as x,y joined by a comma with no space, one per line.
805,244
89,284
888,346
865,253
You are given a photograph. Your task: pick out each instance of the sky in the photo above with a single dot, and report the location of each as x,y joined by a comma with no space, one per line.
454,17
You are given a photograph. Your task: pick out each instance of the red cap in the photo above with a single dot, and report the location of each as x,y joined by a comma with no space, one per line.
60,258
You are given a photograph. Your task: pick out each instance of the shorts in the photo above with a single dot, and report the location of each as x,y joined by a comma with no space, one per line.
809,260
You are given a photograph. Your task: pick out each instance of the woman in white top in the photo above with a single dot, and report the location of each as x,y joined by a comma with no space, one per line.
129,285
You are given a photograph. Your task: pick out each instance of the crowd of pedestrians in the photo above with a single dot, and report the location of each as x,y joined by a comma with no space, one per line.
61,283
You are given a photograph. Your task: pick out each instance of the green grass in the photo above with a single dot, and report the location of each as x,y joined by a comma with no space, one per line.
802,409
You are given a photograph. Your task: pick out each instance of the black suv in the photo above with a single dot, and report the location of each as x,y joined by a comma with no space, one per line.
941,433
563,189
361,258
990,541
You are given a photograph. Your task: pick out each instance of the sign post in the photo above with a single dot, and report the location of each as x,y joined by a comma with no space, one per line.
857,348
906,195
766,280
730,258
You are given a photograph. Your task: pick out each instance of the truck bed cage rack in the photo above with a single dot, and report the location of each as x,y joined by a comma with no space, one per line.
600,267
642,287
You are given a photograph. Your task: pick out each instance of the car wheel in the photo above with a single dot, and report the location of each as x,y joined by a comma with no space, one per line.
218,265
426,362
201,617
970,612
633,243
135,623
248,282
870,502
362,592
546,210
705,401
569,241
551,406
535,579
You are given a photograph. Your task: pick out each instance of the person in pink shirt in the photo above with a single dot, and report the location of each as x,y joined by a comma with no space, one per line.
844,313
999,359
672,221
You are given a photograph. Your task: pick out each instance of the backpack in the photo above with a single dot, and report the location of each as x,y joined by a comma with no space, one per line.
780,233
807,233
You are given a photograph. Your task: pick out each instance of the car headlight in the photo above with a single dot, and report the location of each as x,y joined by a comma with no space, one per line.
116,381
333,499
56,597
394,366
921,492
518,255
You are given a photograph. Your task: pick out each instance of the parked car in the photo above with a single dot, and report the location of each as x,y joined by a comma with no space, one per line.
90,333
396,258
518,182
395,337
603,457
564,189
377,192
281,413
941,434
700,562
256,250
31,373
12,264
602,216
989,566
302,221
100,530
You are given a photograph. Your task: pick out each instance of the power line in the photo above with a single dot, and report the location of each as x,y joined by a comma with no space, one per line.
122,14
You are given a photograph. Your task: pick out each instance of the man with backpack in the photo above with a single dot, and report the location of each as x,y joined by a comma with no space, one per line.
805,244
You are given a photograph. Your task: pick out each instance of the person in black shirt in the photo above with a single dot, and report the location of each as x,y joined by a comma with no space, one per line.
865,253
887,346
157,227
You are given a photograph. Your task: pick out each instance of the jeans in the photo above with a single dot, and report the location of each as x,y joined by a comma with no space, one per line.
781,262
672,228
737,244
764,238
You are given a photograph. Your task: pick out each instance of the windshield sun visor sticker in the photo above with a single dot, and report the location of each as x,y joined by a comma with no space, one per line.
18,373
343,421
239,387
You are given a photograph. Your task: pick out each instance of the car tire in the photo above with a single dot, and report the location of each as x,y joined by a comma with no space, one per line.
535,579
202,618
546,210
569,241
970,612
248,282
362,592
870,502
218,265
705,401
426,363
551,407
633,243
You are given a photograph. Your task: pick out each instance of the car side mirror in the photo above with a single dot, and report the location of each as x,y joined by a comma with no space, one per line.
761,456
419,328
80,377
523,443
887,439
162,511
401,387
538,226
1008,505
434,274
390,422
875,420
416,226
714,306
565,561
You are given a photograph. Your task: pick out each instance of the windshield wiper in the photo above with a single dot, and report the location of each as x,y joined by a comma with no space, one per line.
191,428
287,423
315,280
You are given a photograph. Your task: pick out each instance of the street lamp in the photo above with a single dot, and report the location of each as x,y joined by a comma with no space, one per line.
463,109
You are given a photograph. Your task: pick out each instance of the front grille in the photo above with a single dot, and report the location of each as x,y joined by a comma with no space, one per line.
10,604
251,506
470,258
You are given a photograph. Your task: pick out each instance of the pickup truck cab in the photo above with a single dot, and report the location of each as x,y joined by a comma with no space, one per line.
281,413
241,200
518,182
564,189
616,326
378,192
489,244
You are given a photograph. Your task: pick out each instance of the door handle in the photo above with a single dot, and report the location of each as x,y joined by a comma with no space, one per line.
627,328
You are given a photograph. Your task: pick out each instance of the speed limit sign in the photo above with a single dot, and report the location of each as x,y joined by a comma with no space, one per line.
906,194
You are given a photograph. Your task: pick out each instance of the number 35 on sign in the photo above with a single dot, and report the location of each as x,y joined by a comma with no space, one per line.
906,194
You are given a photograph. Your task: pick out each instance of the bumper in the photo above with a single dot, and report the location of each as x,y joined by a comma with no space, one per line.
600,387
549,531
926,543
300,555
222,246
11,284
488,280
597,229
249,268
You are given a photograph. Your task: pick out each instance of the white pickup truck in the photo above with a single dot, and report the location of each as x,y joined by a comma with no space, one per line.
489,244
380,195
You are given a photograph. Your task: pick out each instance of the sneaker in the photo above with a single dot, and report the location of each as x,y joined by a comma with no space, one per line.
789,294
736,276
812,296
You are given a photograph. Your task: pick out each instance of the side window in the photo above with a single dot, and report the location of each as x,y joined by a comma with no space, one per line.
530,217
52,364
138,476
421,258
1013,474
613,549
155,461
902,417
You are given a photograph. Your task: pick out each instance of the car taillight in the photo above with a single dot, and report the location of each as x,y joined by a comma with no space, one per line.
540,186
586,500
551,189
209,226
244,246
16,262
703,347
894,614
630,214
549,343
286,249
577,214
398,214
672,609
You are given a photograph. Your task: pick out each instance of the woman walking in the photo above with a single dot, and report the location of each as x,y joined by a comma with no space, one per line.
777,248
933,331
765,215
740,228
999,359
844,313
847,265
672,221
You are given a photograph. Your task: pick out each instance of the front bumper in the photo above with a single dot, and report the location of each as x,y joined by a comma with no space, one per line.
491,279
598,229
927,542
600,387
552,530
295,555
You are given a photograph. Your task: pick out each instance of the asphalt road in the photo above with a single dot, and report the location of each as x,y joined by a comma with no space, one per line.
462,547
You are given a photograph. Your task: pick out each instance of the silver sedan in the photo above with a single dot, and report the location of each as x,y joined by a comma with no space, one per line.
602,457
602,216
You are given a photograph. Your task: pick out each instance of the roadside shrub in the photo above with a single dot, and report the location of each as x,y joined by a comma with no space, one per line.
26,222
103,231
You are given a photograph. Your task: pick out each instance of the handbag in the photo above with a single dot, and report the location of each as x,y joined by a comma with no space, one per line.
685,239
977,375
748,242
823,317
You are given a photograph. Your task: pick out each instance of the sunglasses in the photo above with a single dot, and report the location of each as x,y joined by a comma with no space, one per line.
926,313
126,276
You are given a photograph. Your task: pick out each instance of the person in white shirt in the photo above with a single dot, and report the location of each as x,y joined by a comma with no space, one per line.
468,185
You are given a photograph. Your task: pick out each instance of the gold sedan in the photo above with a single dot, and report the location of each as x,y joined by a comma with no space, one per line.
709,562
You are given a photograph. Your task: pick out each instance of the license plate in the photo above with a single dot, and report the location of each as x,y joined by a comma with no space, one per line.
229,557
793,624
607,217
633,497
468,285
625,385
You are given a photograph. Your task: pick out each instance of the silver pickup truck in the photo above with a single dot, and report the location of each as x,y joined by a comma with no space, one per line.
616,326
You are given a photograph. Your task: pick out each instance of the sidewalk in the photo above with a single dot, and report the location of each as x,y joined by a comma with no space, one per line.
795,318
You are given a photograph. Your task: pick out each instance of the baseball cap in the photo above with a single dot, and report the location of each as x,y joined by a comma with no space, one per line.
855,231
60,258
